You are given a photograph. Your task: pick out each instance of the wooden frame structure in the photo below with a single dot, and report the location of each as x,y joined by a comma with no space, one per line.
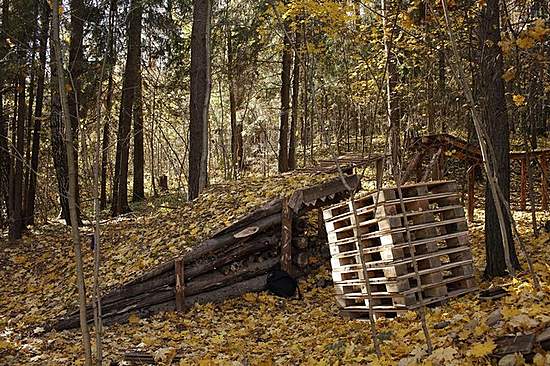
442,145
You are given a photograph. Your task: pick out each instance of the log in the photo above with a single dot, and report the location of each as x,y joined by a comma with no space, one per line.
210,286
208,246
168,278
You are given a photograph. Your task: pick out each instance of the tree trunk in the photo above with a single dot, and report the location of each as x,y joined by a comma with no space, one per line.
496,119
56,46
138,192
76,69
129,85
236,128
200,98
59,153
295,107
4,123
16,172
105,140
285,103
392,101
31,192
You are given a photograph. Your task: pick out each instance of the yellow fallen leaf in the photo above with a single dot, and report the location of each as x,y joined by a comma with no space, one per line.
133,318
483,349
539,360
519,100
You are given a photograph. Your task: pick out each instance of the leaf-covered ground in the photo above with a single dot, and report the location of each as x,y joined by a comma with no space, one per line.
37,285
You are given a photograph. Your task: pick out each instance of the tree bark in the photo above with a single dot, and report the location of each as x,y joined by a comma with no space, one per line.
236,128
392,102
56,46
59,153
200,98
285,103
76,69
496,123
4,126
105,140
129,85
16,172
138,192
295,108
31,192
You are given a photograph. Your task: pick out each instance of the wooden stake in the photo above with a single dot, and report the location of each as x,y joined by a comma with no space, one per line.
286,236
180,284
523,187
471,192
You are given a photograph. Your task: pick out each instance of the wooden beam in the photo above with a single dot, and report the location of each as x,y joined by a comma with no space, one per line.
523,184
286,237
180,284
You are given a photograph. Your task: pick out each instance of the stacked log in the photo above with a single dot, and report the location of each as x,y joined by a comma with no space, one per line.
233,261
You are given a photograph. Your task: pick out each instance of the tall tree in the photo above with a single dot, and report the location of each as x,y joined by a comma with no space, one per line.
61,87
392,102
138,192
200,98
236,127
75,72
57,141
16,168
285,102
37,127
129,85
295,107
4,121
105,141
496,124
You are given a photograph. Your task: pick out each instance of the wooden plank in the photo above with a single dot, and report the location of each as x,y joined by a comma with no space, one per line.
286,237
180,284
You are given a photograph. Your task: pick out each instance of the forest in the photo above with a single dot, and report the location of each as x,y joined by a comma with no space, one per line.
275,182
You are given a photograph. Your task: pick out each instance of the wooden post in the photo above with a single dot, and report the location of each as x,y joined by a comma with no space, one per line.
286,237
471,191
180,284
523,187
544,183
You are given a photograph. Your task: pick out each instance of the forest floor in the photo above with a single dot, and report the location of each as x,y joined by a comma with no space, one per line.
37,285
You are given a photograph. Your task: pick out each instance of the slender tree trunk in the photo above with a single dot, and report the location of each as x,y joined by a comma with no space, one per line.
105,141
59,152
200,98
16,174
56,45
295,108
76,69
129,85
285,104
138,192
236,128
496,120
392,101
31,191
4,124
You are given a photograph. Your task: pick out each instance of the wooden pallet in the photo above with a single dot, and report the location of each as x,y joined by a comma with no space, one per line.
439,238
441,192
